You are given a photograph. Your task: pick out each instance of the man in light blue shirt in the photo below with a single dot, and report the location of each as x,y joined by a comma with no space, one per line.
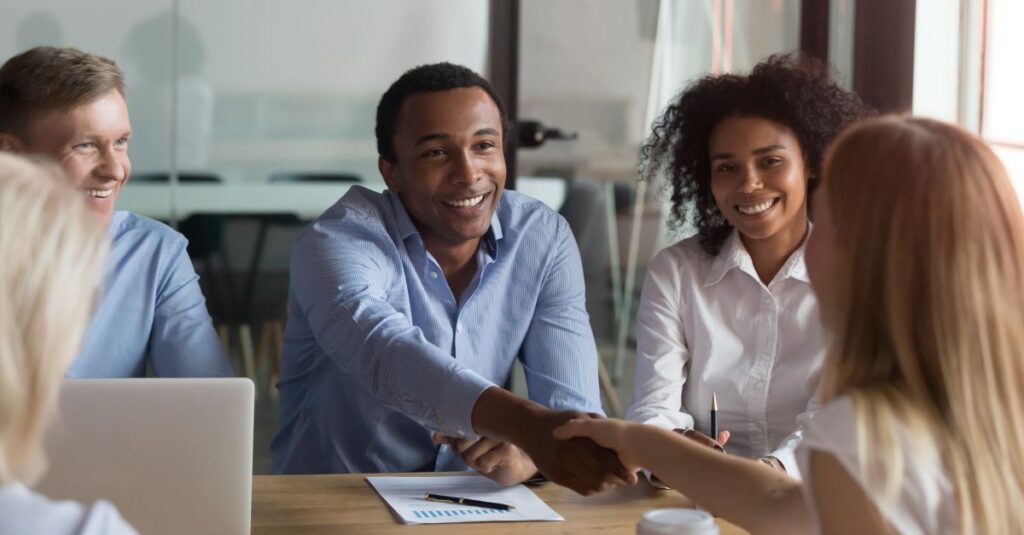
408,308
69,105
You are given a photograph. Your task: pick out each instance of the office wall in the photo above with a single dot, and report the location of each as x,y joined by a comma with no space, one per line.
261,84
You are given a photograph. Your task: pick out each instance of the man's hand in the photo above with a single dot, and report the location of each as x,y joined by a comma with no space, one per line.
500,461
577,463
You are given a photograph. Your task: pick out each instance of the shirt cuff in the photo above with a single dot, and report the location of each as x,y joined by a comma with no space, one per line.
458,398
787,457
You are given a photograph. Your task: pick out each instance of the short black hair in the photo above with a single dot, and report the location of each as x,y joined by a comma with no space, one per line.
426,79
795,91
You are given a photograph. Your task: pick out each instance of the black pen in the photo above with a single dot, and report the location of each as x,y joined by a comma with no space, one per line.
467,501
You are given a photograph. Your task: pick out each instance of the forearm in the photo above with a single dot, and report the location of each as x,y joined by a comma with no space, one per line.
770,502
392,360
502,415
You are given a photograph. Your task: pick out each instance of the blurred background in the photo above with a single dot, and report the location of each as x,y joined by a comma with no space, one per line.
253,116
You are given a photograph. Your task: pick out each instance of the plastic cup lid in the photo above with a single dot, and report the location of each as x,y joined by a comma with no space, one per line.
679,517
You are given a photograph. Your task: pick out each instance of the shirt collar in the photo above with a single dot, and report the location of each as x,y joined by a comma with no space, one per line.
734,255
407,228
403,222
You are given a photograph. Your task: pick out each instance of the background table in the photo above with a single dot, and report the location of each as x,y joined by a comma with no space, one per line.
307,200
346,503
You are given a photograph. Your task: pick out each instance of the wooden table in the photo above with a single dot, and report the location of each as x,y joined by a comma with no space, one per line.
346,503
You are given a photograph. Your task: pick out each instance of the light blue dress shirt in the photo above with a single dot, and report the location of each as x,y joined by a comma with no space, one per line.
150,306
378,354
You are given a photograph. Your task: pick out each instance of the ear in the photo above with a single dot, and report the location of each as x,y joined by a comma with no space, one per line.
9,143
389,172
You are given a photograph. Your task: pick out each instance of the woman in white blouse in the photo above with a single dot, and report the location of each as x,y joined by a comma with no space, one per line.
730,311
917,259
52,249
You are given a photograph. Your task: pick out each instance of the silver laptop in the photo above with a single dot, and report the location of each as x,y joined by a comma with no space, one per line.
174,455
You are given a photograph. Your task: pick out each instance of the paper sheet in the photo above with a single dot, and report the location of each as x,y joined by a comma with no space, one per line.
404,495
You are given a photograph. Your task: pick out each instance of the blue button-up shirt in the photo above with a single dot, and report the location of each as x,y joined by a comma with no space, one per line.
378,353
150,306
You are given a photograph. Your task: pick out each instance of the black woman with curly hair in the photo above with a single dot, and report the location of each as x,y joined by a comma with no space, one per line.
729,313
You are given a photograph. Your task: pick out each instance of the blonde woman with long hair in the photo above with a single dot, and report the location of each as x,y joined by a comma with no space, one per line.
917,258
52,249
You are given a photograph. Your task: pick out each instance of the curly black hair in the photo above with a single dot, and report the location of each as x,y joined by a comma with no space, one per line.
796,91
426,79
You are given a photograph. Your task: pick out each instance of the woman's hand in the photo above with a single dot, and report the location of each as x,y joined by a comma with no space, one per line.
616,435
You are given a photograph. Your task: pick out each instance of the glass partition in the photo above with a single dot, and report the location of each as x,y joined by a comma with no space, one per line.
603,70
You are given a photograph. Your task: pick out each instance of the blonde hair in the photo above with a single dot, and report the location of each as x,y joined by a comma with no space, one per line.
928,318
52,249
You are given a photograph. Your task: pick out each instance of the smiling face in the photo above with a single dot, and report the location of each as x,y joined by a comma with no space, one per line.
449,169
759,178
91,143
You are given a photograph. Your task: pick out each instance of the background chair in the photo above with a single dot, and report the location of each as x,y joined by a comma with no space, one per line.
205,235
265,291
586,209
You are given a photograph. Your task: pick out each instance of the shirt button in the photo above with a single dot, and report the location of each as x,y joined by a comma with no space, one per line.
433,274
458,327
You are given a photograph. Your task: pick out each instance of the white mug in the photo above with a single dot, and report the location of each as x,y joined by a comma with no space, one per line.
676,522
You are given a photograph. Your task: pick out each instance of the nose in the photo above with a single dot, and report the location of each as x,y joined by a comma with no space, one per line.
750,181
112,166
466,170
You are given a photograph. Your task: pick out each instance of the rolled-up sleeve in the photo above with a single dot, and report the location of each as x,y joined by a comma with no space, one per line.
341,271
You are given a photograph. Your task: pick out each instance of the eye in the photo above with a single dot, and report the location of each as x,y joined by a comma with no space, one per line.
771,161
88,145
121,142
435,152
486,145
724,167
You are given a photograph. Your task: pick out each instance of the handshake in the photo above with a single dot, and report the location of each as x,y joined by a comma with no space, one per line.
578,463
519,438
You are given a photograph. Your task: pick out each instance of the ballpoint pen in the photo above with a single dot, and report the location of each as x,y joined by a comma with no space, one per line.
466,501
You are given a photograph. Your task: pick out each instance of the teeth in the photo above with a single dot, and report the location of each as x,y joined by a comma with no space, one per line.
99,193
465,203
755,209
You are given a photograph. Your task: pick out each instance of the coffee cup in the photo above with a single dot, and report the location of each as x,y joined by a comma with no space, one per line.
676,522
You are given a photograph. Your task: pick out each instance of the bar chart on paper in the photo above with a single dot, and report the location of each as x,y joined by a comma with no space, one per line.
455,511
405,496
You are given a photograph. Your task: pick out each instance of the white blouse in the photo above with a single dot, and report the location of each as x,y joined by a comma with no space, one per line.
709,325
926,502
23,511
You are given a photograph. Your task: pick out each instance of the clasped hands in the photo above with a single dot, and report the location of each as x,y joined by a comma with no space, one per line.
578,463
584,452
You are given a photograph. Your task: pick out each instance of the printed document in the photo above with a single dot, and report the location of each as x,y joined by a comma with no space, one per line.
405,497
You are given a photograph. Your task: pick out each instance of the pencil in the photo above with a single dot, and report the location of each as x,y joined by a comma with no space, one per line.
714,417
